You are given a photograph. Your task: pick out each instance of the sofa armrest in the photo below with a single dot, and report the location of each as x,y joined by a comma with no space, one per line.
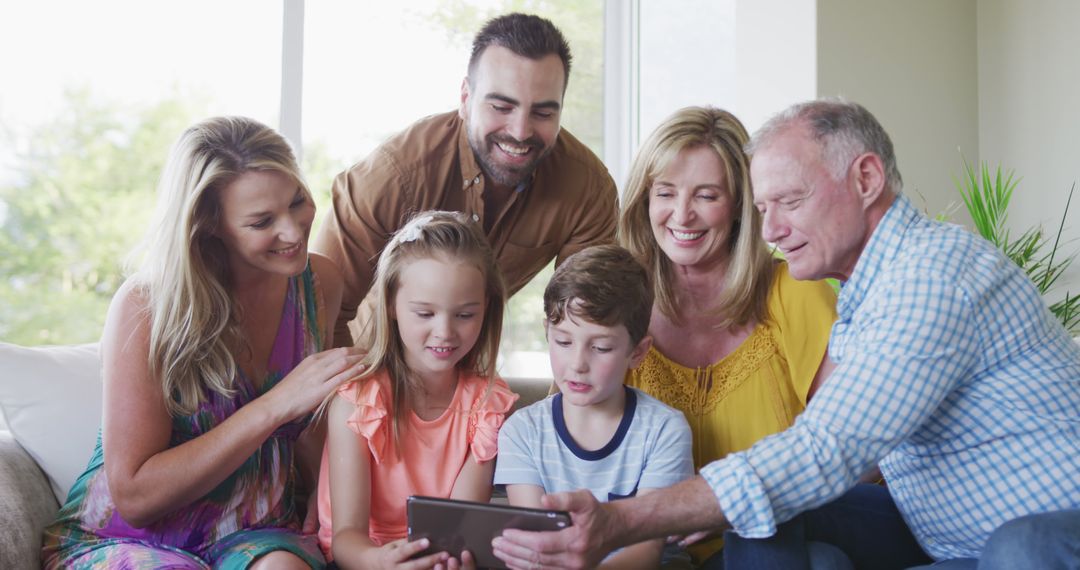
27,504
531,390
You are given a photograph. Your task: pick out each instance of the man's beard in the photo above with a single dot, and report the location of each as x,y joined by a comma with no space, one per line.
500,173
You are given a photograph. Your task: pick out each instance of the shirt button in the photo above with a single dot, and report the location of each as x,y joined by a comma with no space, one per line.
475,218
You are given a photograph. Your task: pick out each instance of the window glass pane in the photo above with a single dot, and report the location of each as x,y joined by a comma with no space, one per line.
685,61
93,95
371,68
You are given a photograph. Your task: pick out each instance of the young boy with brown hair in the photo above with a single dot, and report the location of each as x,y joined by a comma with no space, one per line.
596,433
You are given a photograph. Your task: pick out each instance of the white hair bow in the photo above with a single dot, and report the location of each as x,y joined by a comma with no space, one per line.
411,231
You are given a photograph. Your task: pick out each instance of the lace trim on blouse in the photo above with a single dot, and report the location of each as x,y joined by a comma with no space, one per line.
697,391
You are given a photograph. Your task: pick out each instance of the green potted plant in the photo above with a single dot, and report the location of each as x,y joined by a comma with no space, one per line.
986,198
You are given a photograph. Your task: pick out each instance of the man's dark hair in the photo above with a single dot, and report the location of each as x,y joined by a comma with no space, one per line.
524,34
606,286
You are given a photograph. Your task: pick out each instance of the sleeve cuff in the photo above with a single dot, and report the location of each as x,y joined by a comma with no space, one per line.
741,495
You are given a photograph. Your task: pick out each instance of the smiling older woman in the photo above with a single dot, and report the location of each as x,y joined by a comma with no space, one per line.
738,344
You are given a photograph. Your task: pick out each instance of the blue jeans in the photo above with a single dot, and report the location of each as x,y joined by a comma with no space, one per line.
821,557
863,525
866,528
1048,541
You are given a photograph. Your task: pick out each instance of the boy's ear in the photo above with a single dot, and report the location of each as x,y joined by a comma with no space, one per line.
639,351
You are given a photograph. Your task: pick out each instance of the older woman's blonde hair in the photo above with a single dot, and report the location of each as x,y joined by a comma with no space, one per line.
184,272
745,287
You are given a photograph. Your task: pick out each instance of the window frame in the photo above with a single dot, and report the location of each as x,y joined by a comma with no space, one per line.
620,84
620,81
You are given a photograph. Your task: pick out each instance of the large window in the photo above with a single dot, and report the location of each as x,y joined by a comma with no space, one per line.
372,68
88,114
93,93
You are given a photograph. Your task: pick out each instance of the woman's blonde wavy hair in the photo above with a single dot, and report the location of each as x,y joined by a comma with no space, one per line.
449,236
183,269
749,272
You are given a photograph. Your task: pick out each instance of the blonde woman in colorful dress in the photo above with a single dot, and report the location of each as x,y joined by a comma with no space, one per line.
213,361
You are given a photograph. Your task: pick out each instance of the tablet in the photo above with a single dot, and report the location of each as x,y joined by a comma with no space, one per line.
454,526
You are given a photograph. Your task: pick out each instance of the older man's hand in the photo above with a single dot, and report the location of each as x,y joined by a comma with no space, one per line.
583,545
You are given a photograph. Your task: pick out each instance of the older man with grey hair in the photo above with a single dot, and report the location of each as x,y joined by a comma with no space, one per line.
952,376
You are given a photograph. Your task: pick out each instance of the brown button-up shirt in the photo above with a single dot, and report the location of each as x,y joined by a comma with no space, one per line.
569,204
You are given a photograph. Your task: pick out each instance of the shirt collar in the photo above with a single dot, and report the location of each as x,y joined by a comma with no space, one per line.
471,174
882,248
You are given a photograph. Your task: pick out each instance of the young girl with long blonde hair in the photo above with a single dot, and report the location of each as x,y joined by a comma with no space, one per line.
424,418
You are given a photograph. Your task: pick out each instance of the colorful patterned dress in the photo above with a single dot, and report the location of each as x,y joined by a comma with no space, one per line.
249,514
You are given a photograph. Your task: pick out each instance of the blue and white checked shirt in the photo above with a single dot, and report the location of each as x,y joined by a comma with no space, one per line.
952,373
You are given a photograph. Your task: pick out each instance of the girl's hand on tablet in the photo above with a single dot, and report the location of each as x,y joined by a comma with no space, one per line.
467,562
397,555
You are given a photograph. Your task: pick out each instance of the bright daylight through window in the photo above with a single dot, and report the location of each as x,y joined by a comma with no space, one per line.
87,121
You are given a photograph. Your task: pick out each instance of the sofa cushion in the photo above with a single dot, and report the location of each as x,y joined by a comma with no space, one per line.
51,400
26,506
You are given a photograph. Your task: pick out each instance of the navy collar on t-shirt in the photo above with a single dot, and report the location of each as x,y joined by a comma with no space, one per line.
611,446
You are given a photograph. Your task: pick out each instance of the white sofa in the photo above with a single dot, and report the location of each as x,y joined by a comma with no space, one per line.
50,398
51,402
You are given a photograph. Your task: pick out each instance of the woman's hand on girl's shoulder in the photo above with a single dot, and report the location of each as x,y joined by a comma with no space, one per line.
315,378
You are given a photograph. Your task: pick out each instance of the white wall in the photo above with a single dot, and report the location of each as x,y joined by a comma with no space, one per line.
913,65
1029,109
998,80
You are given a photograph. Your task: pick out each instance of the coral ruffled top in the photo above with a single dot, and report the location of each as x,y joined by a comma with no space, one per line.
432,452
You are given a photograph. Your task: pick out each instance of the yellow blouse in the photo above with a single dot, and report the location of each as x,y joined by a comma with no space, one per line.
760,387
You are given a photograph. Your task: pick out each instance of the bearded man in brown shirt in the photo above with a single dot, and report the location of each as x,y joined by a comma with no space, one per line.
538,192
